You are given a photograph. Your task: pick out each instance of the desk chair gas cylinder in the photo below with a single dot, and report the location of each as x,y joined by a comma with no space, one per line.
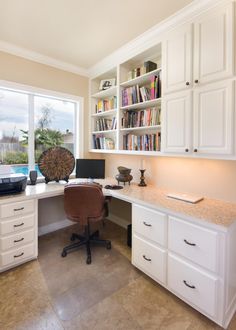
85,203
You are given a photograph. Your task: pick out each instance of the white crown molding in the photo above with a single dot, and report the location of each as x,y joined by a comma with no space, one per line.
37,57
151,37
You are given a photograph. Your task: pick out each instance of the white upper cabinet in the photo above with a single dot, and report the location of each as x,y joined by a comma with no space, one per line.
177,59
177,119
192,57
213,113
213,45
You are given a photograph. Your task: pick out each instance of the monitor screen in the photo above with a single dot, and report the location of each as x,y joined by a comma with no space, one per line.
90,168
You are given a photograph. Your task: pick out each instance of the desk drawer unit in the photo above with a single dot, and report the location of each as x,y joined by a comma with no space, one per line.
149,258
150,224
16,240
9,226
17,208
194,285
15,256
195,243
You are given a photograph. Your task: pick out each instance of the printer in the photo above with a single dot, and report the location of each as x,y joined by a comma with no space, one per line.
12,183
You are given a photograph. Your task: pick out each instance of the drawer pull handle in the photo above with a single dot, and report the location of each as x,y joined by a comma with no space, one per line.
188,285
20,209
21,224
148,259
147,224
19,255
18,240
192,244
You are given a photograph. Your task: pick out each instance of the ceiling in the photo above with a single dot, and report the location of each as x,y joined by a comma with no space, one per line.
79,32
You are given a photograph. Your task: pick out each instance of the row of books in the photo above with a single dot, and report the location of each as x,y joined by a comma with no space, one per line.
146,142
106,104
147,66
102,142
146,117
136,94
104,124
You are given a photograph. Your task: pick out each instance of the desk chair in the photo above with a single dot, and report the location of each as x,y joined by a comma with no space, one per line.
85,203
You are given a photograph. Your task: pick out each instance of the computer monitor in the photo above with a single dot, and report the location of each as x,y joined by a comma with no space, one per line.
90,168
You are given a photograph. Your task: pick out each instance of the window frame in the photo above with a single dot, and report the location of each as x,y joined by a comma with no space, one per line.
31,92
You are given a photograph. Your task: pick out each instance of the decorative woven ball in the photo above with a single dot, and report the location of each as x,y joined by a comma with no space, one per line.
56,163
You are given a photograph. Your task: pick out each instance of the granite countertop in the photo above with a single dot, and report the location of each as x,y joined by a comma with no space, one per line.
215,212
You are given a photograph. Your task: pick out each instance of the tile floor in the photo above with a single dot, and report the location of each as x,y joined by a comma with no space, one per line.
66,293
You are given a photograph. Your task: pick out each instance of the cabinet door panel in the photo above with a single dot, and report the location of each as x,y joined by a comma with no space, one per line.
213,117
213,51
177,117
177,59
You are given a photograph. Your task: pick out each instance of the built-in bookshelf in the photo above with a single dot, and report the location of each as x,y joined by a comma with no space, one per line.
126,117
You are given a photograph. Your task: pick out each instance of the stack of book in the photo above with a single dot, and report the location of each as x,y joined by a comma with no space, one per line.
146,142
136,94
106,104
102,142
105,124
147,117
148,66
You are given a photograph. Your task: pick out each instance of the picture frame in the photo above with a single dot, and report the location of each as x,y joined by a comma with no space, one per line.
107,83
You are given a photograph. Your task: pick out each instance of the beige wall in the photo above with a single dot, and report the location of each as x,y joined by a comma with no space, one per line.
210,178
22,71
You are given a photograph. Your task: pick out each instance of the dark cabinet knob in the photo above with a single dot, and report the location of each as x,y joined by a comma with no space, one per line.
196,81
186,150
195,150
187,83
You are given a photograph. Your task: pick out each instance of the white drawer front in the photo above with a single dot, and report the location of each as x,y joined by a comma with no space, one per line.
16,240
16,225
18,208
193,242
149,223
149,258
197,287
15,256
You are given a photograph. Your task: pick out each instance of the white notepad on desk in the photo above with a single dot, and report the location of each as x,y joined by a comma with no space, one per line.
185,197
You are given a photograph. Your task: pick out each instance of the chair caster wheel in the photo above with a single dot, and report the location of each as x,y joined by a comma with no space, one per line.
64,254
72,238
89,260
108,245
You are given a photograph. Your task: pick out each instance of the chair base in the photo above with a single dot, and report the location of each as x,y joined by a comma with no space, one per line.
86,240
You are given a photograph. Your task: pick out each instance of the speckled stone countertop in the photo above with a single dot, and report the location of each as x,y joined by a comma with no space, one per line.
215,212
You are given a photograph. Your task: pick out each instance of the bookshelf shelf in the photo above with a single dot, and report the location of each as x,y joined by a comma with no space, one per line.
106,131
141,80
156,127
127,152
142,105
108,92
105,113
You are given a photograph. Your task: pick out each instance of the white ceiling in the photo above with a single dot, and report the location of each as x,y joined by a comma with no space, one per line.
79,32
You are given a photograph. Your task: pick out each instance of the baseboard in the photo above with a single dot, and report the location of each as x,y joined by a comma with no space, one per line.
54,226
117,220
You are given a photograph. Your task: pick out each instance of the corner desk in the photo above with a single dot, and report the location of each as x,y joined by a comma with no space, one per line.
190,249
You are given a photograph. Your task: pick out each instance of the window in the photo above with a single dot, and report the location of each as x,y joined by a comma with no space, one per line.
31,123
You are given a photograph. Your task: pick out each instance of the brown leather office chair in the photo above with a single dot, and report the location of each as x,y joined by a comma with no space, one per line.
85,203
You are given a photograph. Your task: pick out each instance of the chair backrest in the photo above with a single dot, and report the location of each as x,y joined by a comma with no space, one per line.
83,202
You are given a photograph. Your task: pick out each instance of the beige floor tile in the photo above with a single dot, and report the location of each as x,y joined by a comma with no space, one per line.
106,315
